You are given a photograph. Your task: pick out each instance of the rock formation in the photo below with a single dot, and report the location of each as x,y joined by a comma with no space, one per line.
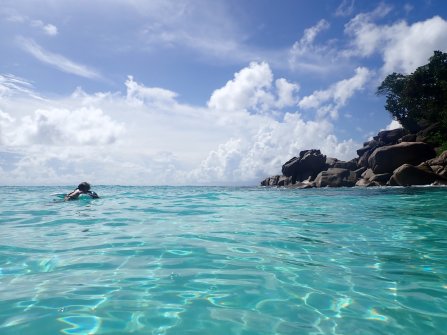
336,177
307,165
392,158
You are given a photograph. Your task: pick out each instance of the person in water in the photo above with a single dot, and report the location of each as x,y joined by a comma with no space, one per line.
83,188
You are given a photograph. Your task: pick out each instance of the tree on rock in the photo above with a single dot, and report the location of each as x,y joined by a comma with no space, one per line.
419,97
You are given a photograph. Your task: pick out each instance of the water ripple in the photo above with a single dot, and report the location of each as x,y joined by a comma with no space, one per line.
214,260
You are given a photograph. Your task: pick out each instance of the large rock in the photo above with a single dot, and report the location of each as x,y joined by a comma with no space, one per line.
289,167
408,138
270,181
284,181
381,178
368,174
388,137
388,158
312,161
368,147
306,166
303,185
276,181
360,171
439,164
350,165
407,175
330,162
440,160
366,183
336,177
424,134
363,160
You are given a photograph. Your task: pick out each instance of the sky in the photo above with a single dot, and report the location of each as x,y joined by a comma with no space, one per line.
197,92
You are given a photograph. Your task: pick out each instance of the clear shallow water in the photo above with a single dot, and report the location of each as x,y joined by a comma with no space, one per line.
184,260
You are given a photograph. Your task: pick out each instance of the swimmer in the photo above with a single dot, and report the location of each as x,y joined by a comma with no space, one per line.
83,188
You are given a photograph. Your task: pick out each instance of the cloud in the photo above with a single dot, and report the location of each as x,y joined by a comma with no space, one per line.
57,61
62,127
304,53
393,125
140,95
345,8
329,101
408,8
13,16
251,91
248,90
6,122
11,85
286,93
410,46
146,136
48,29
192,25
402,46
367,36
251,158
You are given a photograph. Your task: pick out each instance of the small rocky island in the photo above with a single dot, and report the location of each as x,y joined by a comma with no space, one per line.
399,157
392,158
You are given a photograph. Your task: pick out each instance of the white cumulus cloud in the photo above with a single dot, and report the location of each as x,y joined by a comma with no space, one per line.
63,127
251,91
139,94
393,125
403,46
264,152
329,101
146,136
410,46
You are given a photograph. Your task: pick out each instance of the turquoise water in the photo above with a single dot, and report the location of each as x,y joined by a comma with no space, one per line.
204,260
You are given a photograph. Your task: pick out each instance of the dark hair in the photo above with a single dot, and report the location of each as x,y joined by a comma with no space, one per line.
84,187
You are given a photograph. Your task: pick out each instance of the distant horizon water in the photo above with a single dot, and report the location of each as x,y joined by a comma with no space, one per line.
223,260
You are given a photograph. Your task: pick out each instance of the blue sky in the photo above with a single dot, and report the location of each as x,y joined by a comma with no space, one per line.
195,91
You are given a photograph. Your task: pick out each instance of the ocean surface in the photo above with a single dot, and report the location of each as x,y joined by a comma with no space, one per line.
221,260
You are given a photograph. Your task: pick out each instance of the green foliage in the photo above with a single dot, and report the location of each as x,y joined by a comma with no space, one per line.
441,148
420,96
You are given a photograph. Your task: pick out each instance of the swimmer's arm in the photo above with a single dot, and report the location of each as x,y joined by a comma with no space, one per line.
73,195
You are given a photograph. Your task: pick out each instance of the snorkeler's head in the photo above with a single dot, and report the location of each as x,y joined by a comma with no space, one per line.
84,187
